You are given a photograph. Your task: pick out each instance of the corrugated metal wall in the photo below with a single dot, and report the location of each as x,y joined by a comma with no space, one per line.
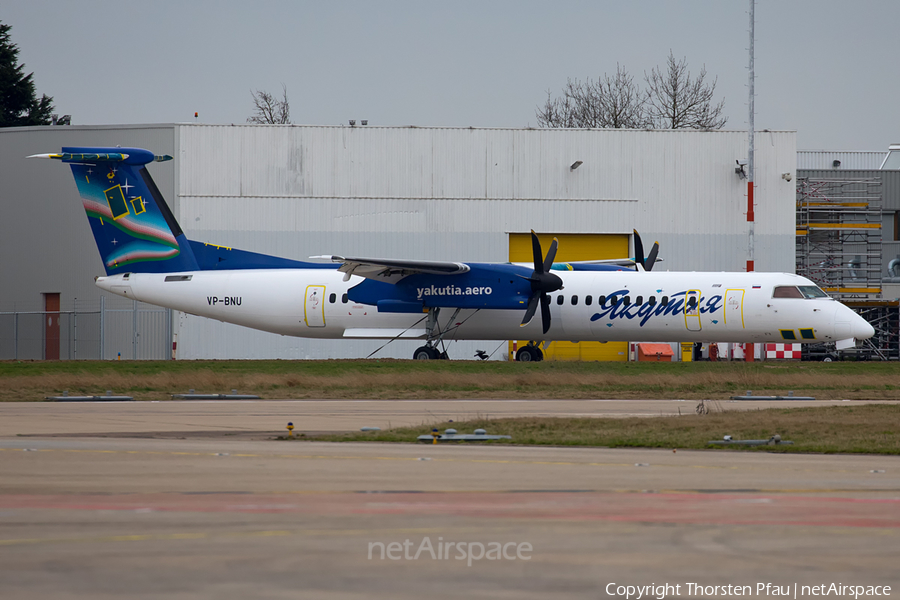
890,182
304,181
440,193
824,159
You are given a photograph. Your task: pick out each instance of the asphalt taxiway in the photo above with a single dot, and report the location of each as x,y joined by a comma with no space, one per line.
265,419
227,512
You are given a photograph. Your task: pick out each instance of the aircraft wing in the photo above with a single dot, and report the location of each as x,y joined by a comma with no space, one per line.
622,262
608,264
391,270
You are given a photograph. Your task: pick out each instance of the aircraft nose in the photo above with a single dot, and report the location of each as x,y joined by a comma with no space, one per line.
849,325
862,329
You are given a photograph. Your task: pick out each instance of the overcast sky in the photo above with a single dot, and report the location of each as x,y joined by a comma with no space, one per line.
825,68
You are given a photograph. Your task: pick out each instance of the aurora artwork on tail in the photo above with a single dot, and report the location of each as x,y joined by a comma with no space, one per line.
130,221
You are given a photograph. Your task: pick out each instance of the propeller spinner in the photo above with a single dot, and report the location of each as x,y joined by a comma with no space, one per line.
542,282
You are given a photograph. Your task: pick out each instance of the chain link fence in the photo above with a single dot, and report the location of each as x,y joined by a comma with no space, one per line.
143,332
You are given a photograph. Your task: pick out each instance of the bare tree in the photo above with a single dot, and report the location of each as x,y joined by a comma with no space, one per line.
672,100
269,110
609,102
622,103
557,112
676,101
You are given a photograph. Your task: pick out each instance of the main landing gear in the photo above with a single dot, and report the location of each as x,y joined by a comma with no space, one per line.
531,352
429,353
434,336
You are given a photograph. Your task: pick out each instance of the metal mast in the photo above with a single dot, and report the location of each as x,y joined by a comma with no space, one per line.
750,217
750,349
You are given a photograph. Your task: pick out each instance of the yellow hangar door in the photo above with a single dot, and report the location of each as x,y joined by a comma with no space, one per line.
573,247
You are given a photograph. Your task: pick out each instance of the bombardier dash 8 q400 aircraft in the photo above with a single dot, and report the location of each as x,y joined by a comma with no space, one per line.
148,258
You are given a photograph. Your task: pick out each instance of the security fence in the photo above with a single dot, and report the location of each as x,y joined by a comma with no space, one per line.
142,332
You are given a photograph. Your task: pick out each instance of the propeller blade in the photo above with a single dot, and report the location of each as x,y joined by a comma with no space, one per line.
651,259
545,312
542,281
639,250
529,312
538,255
551,255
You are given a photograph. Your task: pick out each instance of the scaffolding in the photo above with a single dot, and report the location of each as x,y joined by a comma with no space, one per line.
884,316
839,235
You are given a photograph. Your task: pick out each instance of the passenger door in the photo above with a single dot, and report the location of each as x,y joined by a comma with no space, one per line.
314,306
734,309
692,310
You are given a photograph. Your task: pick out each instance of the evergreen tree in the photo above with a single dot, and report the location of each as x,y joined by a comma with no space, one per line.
19,106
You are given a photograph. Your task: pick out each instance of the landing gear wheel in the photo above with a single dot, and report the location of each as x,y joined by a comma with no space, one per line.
426,353
529,354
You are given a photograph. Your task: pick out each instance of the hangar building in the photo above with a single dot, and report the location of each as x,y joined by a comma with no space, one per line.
463,194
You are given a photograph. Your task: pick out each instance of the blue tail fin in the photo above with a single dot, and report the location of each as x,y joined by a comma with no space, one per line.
134,229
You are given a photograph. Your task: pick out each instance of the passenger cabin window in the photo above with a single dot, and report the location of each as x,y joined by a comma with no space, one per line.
560,300
627,301
332,298
651,301
574,300
786,291
601,300
664,300
639,300
345,299
587,300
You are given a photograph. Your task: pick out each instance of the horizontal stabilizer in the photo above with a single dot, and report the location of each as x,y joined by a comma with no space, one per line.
68,156
99,157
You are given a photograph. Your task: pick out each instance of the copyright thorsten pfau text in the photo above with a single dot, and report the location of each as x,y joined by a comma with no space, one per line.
794,590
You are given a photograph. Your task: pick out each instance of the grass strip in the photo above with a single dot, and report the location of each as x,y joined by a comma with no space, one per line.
863,429
407,379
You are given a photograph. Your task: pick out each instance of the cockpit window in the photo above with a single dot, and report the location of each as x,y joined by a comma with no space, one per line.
786,291
812,291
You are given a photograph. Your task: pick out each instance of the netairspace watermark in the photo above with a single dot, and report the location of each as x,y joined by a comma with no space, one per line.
795,591
441,550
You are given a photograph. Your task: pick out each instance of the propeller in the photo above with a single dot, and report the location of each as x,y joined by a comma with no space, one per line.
648,262
542,282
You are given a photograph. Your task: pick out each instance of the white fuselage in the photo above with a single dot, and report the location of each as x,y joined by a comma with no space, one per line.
730,307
